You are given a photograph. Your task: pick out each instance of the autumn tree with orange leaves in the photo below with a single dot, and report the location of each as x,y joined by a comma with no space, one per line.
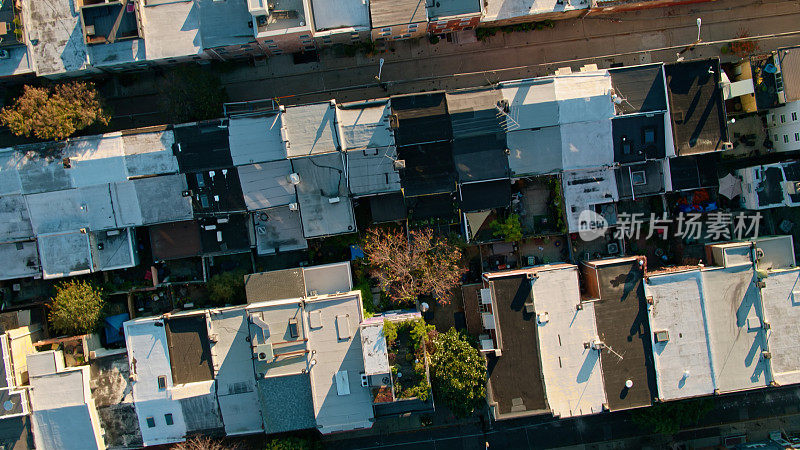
54,113
406,268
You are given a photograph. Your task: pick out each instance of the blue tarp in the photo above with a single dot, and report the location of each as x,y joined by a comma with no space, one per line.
114,328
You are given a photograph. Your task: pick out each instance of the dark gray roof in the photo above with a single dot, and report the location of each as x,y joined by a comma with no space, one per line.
693,172
480,158
421,118
388,207
189,349
175,240
622,325
515,377
638,137
15,433
202,146
274,285
386,13
642,87
201,414
698,111
653,180
429,169
286,403
485,195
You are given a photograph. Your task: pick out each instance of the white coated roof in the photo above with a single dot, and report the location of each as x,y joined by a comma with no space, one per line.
17,258
781,300
335,355
333,14
544,102
266,185
734,325
233,365
65,254
365,125
508,9
147,346
67,428
574,145
573,378
56,26
584,188
328,279
256,139
15,222
678,310
373,344
311,129
171,30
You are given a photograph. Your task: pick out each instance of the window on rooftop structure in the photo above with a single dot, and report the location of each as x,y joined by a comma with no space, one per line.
794,116
649,135
162,382
783,118
168,419
626,145
151,422
797,137
785,138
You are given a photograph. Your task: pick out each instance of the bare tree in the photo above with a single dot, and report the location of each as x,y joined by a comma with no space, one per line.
422,264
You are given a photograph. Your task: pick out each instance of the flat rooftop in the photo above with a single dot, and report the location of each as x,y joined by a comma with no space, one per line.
683,354
282,231
642,179
790,62
216,191
693,172
189,350
266,185
58,28
364,125
516,385
485,195
202,146
697,107
311,129
387,13
20,260
275,285
325,206
175,240
622,325
642,87
481,158
429,168
583,189
639,138
172,30
282,326
285,16
448,8
340,402
224,23
495,10
782,312
15,222
734,326
421,118
573,377
335,14
373,171
65,254
233,371
256,138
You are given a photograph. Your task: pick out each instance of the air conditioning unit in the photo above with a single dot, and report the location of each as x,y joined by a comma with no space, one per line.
542,318
661,336
293,179
727,145
364,380
293,206
399,164
531,276
333,200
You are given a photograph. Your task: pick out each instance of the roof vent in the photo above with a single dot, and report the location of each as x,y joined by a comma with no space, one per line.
293,178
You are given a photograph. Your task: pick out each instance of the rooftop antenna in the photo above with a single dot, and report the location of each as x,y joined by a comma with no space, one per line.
508,122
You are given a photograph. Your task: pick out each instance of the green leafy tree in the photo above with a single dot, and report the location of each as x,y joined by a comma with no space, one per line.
76,308
54,113
668,418
459,373
227,288
204,443
509,230
191,93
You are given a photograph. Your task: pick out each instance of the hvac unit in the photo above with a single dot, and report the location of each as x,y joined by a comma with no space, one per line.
293,178
661,336
727,145
364,380
294,207
263,352
333,200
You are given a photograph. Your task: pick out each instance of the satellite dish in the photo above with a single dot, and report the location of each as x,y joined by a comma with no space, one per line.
8,405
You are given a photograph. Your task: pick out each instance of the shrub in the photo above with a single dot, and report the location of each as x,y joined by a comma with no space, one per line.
459,373
227,288
509,230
